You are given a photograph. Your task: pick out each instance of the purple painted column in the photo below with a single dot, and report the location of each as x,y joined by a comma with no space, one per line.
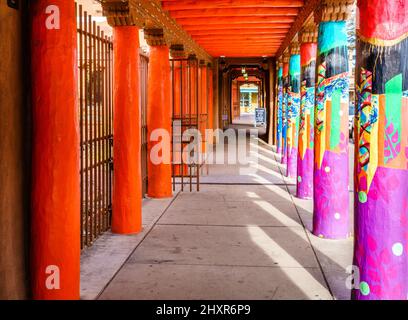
308,51
293,107
381,195
331,171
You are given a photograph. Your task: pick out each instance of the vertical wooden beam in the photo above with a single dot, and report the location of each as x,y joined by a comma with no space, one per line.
14,162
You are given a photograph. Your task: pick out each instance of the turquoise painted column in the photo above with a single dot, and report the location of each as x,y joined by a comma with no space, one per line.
331,168
293,109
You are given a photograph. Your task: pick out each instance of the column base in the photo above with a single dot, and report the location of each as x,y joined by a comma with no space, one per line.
331,197
304,188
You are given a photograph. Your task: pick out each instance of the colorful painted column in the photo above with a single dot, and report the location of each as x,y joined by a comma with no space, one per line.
285,85
55,198
159,115
127,182
279,113
331,177
293,107
308,52
381,224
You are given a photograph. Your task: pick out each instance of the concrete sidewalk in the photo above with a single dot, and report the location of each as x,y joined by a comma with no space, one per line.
240,237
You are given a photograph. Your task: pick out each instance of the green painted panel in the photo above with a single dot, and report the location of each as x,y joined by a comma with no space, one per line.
335,119
393,101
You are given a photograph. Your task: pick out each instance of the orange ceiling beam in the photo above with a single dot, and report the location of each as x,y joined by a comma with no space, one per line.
244,55
234,20
226,43
243,49
309,8
244,32
231,52
254,52
243,25
239,48
242,38
227,52
205,4
253,12
237,28
239,45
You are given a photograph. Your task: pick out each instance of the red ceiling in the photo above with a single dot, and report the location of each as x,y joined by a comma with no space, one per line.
236,28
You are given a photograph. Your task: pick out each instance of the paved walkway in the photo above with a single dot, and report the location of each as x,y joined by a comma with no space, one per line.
240,237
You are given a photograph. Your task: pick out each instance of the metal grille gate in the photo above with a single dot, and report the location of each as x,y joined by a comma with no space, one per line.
95,53
188,112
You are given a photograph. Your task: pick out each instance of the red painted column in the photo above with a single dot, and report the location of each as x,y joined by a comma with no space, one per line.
159,117
210,99
127,182
177,104
204,91
186,94
177,89
210,102
194,87
204,103
55,204
186,105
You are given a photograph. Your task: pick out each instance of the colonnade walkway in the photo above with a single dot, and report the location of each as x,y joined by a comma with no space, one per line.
240,237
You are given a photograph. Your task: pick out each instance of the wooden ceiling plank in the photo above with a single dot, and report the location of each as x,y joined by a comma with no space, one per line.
227,32
304,15
205,4
240,37
239,12
226,26
234,20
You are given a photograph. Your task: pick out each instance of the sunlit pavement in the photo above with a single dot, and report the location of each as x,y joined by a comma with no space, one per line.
240,237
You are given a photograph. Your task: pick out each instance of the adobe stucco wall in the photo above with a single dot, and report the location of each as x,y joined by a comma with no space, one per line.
13,162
